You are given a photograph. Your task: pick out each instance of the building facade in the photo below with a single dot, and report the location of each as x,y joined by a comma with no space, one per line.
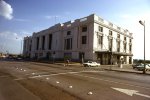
88,38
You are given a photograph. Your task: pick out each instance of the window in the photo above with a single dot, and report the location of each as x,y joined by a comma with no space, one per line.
30,47
130,40
83,39
50,41
118,36
110,44
43,42
68,32
130,48
100,40
68,44
125,47
125,38
110,32
37,46
25,43
118,46
100,29
84,29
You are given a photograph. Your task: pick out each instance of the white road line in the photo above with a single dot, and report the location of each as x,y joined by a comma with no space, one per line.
20,79
38,75
51,75
62,74
100,79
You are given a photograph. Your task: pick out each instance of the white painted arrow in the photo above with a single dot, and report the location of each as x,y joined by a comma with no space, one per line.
130,92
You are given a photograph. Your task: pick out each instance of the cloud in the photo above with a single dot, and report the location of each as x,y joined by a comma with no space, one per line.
9,42
6,10
12,41
8,35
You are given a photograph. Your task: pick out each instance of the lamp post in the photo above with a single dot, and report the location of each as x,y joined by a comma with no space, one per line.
143,23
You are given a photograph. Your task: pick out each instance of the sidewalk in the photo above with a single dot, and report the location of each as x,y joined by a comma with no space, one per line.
127,69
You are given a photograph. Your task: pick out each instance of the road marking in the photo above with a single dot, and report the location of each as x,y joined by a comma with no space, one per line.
61,74
130,92
70,86
57,82
20,79
100,79
39,76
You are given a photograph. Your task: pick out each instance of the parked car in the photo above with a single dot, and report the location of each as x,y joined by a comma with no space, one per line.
91,64
141,67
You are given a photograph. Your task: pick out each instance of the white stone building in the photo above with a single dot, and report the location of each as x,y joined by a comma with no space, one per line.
88,38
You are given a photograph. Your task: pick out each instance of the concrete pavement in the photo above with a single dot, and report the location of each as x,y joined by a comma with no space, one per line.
55,81
125,68
11,90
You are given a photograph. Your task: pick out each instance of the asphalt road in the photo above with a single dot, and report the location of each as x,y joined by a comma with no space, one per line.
37,81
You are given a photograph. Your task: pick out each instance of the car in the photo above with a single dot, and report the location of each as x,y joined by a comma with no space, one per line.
141,67
91,64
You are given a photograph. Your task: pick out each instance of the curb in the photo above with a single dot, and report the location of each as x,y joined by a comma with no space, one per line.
126,71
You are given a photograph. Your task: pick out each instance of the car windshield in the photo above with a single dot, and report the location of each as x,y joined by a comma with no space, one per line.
89,61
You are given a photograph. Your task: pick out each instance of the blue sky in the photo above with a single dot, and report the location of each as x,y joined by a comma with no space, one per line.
19,18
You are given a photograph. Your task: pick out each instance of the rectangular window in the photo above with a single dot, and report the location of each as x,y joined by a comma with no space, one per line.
130,40
50,41
110,32
68,32
100,28
43,42
110,44
37,45
118,46
83,39
100,40
84,29
118,36
68,44
25,43
125,47
130,48
125,38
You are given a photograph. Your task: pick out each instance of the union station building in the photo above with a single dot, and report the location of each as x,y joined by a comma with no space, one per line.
88,38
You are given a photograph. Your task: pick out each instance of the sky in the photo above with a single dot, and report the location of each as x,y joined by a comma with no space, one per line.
20,18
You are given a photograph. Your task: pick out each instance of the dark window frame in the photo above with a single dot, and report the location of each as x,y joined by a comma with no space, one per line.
84,29
50,41
68,32
110,32
43,42
100,28
37,44
84,39
68,44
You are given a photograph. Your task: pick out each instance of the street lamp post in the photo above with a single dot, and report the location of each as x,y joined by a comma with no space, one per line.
143,23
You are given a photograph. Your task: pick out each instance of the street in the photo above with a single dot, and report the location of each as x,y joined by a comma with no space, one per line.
41,81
